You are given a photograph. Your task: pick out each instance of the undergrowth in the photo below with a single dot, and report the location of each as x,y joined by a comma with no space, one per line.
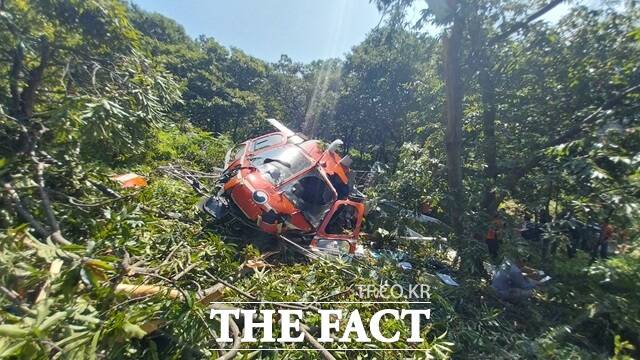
61,300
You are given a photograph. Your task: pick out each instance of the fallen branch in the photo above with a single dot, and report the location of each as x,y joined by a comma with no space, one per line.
173,283
253,298
23,212
185,271
173,251
235,333
148,290
142,291
313,256
312,340
233,287
56,234
212,294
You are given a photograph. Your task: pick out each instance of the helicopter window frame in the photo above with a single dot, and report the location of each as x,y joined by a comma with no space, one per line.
349,224
302,173
311,164
317,218
235,153
267,142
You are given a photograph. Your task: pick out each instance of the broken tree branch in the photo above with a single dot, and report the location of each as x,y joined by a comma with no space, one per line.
170,281
253,298
23,212
56,234
235,333
321,349
148,290
522,24
233,287
185,271
313,256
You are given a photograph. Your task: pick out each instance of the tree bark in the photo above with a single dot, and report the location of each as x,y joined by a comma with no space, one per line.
487,90
36,76
14,80
481,57
453,112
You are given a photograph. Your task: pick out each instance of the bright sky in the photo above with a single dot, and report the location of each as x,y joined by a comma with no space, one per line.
305,30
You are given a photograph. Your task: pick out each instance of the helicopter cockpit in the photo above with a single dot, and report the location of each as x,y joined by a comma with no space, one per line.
312,195
281,163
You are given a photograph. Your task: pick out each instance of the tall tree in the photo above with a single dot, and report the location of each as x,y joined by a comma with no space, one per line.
452,48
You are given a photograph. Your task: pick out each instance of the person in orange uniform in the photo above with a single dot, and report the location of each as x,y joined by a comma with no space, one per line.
606,231
491,237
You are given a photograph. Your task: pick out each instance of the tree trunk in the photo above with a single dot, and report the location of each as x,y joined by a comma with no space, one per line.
36,76
487,90
14,80
453,112
480,56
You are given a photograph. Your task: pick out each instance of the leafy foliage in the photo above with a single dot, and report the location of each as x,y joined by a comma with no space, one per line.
97,88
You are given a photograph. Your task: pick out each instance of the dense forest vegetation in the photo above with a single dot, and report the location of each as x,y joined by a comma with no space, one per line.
496,113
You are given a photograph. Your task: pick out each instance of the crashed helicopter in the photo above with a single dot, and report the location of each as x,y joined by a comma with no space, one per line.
285,184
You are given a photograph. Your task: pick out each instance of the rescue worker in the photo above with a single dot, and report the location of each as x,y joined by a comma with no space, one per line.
530,230
570,227
491,237
544,219
602,246
510,284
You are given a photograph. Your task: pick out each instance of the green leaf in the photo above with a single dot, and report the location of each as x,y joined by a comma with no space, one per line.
14,331
133,331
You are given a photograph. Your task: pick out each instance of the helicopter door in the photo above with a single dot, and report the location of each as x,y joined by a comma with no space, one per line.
341,227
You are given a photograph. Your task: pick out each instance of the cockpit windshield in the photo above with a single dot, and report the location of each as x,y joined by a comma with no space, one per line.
279,164
312,195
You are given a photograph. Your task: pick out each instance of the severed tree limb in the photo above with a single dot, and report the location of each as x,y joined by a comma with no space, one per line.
75,202
148,290
522,24
313,256
185,271
116,196
173,251
235,333
212,294
23,212
253,298
56,234
233,287
316,344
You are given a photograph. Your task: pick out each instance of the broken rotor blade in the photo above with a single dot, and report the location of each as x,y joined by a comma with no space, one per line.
280,126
